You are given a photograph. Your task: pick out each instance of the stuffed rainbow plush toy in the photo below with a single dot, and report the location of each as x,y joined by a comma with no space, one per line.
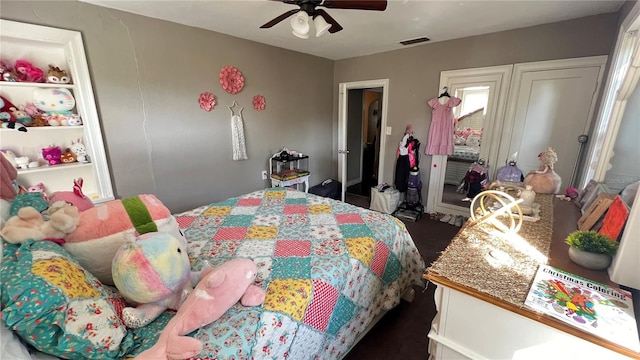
104,228
219,289
153,272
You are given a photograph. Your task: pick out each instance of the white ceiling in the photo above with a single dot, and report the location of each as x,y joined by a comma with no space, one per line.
365,32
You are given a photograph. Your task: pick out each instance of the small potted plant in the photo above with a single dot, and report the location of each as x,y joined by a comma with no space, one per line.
591,249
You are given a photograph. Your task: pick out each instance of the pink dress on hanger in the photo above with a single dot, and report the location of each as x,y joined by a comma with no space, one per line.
440,140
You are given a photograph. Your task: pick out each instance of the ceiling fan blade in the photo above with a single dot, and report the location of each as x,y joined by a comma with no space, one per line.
379,5
279,18
335,27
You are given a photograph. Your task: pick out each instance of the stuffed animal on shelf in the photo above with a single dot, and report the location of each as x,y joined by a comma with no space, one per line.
217,291
545,180
56,104
30,224
68,157
52,155
6,116
153,272
80,151
21,116
28,72
103,229
55,75
75,197
7,72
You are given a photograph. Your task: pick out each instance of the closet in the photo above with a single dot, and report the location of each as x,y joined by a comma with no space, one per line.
43,46
530,107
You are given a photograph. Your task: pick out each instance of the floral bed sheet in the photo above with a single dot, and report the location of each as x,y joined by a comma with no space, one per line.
328,268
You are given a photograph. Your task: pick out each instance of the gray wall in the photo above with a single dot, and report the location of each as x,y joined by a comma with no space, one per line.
414,73
147,76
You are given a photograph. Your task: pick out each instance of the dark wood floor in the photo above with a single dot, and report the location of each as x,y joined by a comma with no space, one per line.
402,332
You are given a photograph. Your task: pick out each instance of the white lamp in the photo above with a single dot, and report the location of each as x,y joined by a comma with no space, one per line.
321,25
300,25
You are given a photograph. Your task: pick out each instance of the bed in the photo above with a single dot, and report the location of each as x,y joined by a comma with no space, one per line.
329,269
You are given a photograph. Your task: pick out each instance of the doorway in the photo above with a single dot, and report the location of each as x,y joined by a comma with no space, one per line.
361,120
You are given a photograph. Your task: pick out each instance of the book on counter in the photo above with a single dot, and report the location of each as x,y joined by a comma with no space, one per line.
588,305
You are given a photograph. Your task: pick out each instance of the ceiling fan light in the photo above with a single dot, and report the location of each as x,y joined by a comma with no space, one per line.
300,25
321,25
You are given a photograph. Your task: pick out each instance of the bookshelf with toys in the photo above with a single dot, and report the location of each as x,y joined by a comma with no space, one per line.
50,126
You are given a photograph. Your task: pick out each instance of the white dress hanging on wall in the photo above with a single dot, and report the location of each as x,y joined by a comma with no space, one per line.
237,134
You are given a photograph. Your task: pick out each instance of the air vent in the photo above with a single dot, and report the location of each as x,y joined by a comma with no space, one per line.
414,41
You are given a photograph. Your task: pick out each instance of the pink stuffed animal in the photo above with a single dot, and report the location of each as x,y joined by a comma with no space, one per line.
218,290
76,197
28,72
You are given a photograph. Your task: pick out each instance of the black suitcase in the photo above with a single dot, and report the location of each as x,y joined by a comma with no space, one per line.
329,188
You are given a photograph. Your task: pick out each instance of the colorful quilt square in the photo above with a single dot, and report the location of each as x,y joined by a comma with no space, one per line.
228,202
226,338
375,217
237,221
272,201
274,336
266,220
220,250
289,296
380,259
251,248
295,209
217,210
230,233
271,209
291,267
249,202
285,248
200,234
371,285
322,219
349,218
318,200
355,230
294,220
262,232
185,221
295,193
207,222
361,249
319,209
331,270
343,312
353,285
340,207
332,247
244,210
326,232
322,305
264,265
392,269
295,200
293,232
308,342
280,194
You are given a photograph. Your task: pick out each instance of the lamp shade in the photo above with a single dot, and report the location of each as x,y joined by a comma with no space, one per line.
300,25
321,25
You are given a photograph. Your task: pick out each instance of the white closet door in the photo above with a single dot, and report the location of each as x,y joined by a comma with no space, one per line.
550,105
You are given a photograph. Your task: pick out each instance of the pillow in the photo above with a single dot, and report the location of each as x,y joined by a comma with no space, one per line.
58,307
473,140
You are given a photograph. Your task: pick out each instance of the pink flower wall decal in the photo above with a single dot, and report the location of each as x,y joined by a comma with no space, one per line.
231,79
259,102
207,101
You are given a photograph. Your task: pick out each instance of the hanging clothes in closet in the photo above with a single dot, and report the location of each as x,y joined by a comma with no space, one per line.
440,140
403,163
476,179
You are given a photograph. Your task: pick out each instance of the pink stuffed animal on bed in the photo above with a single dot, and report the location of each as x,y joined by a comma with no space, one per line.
218,290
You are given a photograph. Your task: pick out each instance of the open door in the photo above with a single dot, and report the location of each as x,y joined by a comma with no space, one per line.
344,142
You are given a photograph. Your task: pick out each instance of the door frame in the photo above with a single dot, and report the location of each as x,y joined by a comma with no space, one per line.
343,97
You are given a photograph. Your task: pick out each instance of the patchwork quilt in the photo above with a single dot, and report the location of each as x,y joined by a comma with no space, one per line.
328,268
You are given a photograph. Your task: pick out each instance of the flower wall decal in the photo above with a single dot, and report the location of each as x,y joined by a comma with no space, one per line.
259,102
207,101
231,79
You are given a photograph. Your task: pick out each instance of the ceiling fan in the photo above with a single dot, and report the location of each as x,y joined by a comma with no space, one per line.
308,9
